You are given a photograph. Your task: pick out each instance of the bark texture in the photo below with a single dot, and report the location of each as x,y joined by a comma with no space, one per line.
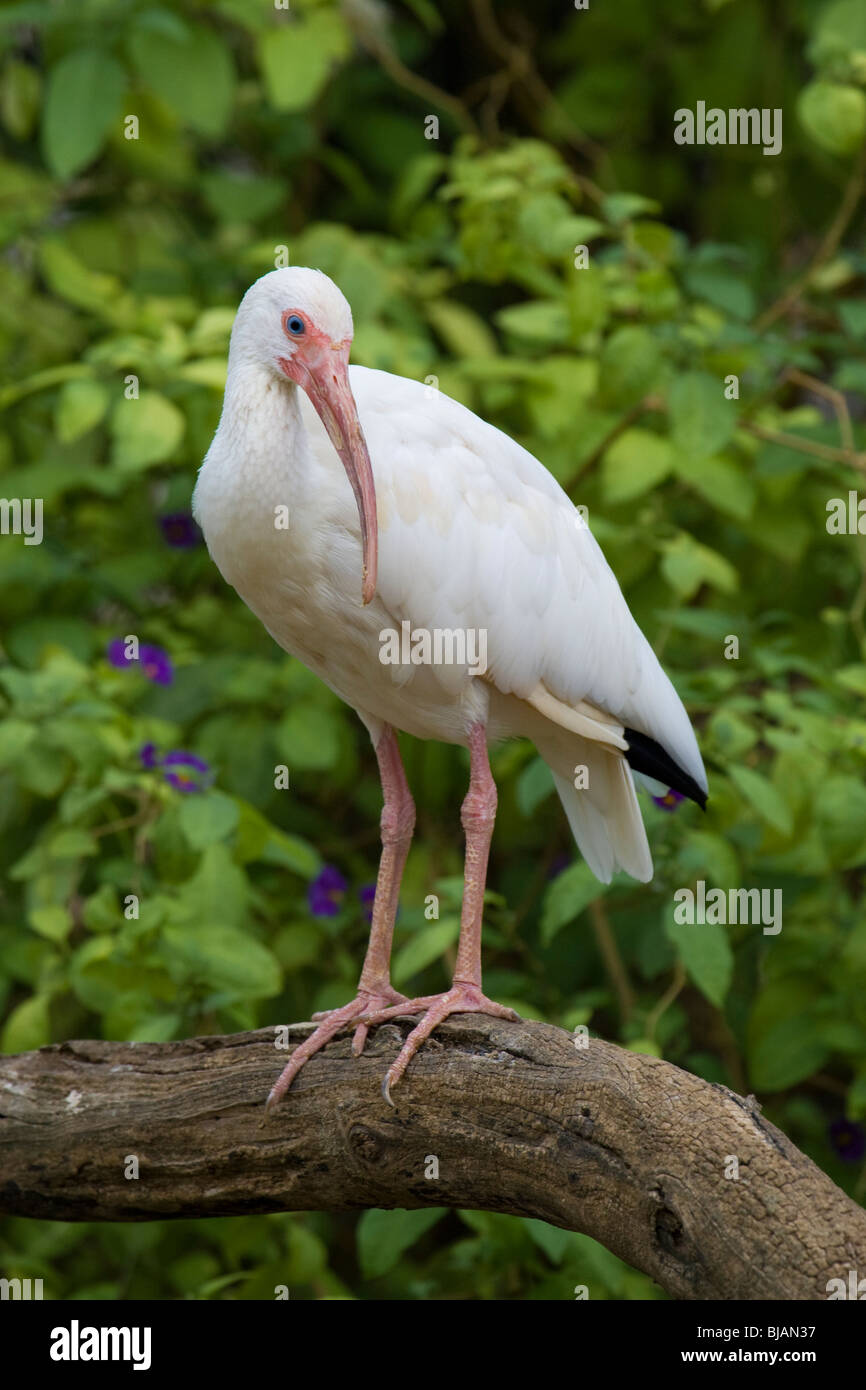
513,1117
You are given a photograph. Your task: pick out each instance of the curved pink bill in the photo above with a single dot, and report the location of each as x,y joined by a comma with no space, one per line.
324,376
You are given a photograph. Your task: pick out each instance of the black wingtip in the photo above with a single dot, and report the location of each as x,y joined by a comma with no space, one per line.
646,756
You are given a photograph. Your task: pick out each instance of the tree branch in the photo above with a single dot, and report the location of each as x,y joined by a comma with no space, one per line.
625,1147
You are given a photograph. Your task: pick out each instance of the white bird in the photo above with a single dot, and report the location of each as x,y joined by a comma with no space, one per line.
450,526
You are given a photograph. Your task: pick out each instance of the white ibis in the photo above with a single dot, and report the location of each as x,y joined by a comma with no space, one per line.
405,508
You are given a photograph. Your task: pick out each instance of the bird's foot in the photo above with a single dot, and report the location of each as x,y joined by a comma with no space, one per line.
461,998
331,1022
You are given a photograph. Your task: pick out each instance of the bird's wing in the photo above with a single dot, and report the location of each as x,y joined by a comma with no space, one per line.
475,533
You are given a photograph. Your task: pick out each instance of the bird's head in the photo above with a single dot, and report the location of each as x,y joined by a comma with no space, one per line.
297,323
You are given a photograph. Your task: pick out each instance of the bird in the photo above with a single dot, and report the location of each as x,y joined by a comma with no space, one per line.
402,512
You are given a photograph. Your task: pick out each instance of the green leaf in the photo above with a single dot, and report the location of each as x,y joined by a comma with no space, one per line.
52,922
383,1236
81,405
686,565
423,948
839,35
634,463
852,678
721,482
16,737
463,332
208,817
20,98
82,101
218,890
705,953
308,737
72,280
232,962
630,366
297,59
145,431
787,1053
569,893
28,1026
622,207
702,420
534,784
763,796
840,810
192,72
242,197
711,855
554,1242
834,115
540,321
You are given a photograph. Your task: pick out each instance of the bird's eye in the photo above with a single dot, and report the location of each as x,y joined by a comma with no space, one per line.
295,324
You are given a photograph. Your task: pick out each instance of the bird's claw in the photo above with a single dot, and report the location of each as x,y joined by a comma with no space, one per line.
327,1024
462,998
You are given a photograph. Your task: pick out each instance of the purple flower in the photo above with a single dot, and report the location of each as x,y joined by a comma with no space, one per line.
180,530
367,896
182,770
848,1140
154,662
326,892
670,801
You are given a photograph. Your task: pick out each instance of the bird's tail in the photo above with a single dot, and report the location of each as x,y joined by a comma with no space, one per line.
598,794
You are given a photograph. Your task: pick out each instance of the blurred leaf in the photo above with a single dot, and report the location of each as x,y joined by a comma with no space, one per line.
383,1236
763,796
81,405
28,1026
308,738
424,947
634,464
191,70
208,817
789,1051
834,115
702,420
686,565
82,101
297,59
567,896
145,431
52,922
705,952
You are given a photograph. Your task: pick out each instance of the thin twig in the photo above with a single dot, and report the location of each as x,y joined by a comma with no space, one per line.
397,70
836,399
676,986
613,964
806,446
827,248
523,72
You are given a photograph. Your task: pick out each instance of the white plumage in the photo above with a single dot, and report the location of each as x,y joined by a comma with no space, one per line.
473,533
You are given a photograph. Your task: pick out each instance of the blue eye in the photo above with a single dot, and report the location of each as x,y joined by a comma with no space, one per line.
295,324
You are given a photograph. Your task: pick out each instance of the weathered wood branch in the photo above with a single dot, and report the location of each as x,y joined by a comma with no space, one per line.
627,1148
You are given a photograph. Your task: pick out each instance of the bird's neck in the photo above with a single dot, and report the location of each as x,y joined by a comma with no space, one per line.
261,427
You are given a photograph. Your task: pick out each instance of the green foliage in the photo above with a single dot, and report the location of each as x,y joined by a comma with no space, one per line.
142,905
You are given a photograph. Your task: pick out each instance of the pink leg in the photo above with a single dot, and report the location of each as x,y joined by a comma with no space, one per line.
374,987
477,815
